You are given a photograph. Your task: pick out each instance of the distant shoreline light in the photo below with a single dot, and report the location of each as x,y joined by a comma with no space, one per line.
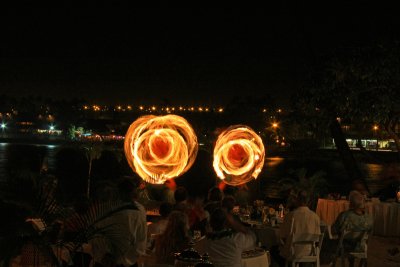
162,109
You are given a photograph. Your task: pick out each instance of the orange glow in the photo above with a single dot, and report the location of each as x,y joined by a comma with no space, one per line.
220,110
221,186
96,108
170,183
159,148
275,125
141,107
153,108
376,127
238,155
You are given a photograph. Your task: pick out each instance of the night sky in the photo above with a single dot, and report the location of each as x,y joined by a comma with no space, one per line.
177,56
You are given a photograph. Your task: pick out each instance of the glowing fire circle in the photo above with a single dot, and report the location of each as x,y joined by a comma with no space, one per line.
158,148
238,155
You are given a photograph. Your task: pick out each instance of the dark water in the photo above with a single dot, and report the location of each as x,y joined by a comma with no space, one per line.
378,175
31,155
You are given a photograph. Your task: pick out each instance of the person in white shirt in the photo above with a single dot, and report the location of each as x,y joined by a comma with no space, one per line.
225,245
299,224
128,228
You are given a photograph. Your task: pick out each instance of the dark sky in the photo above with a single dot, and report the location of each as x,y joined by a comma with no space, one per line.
122,55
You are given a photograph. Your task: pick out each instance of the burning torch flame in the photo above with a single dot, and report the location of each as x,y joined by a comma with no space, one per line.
238,155
160,148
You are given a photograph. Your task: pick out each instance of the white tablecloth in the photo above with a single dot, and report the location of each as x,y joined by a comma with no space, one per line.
257,261
386,215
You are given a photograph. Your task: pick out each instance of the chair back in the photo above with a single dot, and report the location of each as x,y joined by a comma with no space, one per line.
324,230
315,243
364,241
315,240
358,250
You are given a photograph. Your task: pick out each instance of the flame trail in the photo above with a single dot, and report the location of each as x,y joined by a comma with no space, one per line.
158,148
238,155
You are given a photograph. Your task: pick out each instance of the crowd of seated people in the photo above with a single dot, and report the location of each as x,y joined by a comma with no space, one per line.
226,237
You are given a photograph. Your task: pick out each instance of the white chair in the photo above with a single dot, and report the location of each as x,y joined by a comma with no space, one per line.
360,253
315,242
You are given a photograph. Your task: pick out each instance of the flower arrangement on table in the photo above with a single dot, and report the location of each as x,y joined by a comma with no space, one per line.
269,215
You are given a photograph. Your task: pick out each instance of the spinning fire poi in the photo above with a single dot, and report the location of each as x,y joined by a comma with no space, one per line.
238,155
160,147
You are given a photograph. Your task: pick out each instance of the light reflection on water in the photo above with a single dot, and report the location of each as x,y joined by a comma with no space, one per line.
273,161
374,176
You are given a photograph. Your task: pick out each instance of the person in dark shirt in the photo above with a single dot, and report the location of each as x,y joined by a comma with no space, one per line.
214,200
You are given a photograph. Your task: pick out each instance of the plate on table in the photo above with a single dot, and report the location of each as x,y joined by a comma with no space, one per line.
253,253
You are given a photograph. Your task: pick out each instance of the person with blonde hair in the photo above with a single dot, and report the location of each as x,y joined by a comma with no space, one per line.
175,238
359,187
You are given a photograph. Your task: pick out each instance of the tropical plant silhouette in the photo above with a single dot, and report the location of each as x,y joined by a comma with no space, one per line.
300,179
36,227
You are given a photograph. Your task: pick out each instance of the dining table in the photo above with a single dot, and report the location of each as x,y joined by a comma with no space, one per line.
256,257
267,234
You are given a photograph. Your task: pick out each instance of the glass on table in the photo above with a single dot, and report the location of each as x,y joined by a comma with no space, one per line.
245,214
196,234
